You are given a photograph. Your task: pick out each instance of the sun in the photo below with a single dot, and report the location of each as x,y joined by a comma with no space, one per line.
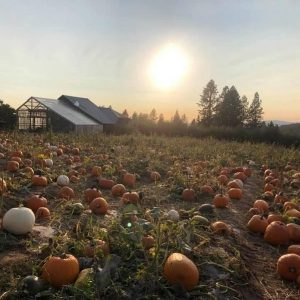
168,67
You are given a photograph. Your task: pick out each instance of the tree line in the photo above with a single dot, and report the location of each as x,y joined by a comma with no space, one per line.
228,108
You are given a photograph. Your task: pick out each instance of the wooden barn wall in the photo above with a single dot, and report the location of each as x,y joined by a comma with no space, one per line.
60,124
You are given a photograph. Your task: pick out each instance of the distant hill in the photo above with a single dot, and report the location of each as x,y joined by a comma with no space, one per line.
279,122
291,129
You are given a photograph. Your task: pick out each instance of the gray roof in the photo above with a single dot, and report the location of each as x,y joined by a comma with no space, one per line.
101,114
66,111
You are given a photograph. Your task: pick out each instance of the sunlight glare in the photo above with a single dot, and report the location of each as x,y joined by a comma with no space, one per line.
168,67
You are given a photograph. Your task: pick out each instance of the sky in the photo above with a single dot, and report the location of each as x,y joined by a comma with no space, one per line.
102,50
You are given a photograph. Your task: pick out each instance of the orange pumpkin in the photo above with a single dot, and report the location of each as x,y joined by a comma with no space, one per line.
289,205
247,171
96,171
262,205
277,233
257,224
179,269
59,271
129,179
288,266
36,201
240,175
66,193
294,232
12,166
269,187
148,242
221,227
39,180
155,176
223,179
207,189
188,195
118,190
294,249
42,213
280,198
220,201
235,193
274,217
130,197
106,183
96,247
99,206
90,194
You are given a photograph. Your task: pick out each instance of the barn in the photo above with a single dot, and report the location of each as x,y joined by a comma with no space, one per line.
67,114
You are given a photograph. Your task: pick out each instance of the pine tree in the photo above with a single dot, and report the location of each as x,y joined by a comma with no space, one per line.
230,111
245,104
125,113
176,118
153,115
161,119
134,116
255,112
207,103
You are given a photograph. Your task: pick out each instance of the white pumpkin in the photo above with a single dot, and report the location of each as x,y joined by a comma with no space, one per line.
173,215
18,220
47,145
63,180
49,162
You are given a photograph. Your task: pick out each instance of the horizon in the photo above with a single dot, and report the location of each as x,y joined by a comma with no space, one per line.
113,53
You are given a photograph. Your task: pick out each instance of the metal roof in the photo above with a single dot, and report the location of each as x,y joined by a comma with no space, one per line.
101,114
66,111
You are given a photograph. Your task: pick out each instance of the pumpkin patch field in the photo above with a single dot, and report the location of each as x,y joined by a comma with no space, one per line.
147,217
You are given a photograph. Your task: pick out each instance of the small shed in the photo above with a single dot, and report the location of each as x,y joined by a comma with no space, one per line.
38,114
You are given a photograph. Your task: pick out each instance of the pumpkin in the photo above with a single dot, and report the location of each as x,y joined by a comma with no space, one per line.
188,195
36,201
293,213
257,224
17,159
280,198
129,179
27,162
106,183
39,180
268,179
118,190
294,232
288,266
253,211
236,183
18,220
63,180
3,186
223,179
130,197
289,205
59,152
99,206
66,193
12,166
274,217
247,171
221,227
90,194
207,189
269,187
240,175
179,269
220,201
29,172
235,193
262,205
155,176
59,271
148,242
96,247
42,213
267,172
294,249
96,171
277,233
48,162
295,183
173,215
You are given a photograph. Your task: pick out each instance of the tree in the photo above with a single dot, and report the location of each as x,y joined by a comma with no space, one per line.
230,112
255,112
8,116
161,119
245,104
134,116
153,115
184,119
207,103
176,118
125,113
